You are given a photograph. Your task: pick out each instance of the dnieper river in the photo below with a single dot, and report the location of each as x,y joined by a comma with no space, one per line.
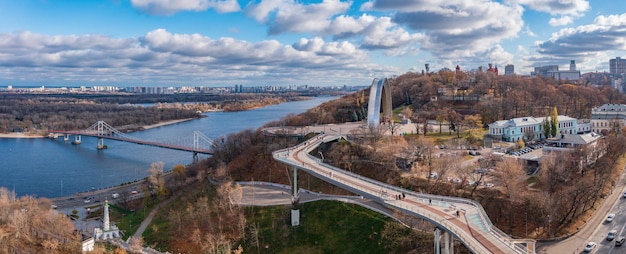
52,168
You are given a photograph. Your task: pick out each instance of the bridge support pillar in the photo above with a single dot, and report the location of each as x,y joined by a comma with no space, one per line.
437,241
295,200
77,140
448,243
101,144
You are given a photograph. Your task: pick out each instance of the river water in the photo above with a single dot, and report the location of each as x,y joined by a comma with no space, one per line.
53,168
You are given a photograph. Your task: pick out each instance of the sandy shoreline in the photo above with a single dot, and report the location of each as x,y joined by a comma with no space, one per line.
145,127
20,135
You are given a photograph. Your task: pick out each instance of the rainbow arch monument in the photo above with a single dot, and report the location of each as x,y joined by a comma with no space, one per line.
380,99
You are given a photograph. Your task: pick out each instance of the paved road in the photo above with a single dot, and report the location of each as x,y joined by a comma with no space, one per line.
595,229
619,224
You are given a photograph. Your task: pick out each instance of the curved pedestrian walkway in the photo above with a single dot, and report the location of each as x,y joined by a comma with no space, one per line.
463,218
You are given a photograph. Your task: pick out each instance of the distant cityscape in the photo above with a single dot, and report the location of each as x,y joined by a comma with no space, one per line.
616,78
178,90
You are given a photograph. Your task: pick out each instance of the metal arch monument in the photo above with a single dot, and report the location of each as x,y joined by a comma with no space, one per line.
380,97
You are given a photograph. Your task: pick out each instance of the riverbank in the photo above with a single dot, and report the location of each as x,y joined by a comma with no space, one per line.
20,135
145,127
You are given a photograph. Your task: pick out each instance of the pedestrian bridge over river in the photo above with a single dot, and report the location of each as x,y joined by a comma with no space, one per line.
101,130
463,219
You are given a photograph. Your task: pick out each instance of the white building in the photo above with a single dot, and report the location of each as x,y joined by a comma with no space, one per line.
606,116
525,127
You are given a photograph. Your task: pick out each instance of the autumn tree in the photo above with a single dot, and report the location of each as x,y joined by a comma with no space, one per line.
554,122
156,178
179,170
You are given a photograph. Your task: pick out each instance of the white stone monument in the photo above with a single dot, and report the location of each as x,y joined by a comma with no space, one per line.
107,231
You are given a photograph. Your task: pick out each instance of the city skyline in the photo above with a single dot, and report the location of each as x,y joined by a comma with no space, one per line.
282,42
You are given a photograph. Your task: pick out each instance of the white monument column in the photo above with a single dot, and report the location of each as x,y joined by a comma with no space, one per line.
107,225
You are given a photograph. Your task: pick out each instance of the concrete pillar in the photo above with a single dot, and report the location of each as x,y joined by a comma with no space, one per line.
295,200
101,143
448,243
437,241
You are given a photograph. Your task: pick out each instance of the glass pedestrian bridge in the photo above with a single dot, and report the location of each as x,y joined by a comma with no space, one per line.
460,218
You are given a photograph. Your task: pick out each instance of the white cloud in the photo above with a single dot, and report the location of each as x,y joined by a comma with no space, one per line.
564,20
582,43
161,56
556,7
169,7
605,33
289,16
455,28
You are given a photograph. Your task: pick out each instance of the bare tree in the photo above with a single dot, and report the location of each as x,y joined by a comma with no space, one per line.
156,178
136,244
511,176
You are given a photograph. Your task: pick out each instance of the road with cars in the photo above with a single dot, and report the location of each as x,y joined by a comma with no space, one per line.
94,197
618,224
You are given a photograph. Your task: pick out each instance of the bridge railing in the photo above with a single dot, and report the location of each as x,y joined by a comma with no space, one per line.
472,243
497,233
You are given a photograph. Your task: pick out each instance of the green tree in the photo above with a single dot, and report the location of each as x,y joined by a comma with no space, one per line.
554,122
546,126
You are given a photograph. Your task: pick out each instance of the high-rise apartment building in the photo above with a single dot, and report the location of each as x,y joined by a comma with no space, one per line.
509,70
617,66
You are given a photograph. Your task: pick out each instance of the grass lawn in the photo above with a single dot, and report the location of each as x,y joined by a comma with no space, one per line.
325,227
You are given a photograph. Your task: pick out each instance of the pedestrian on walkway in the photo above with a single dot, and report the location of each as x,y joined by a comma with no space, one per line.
430,201
457,213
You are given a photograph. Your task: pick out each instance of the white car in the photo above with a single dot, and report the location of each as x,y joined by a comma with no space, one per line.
590,246
611,235
610,217
87,201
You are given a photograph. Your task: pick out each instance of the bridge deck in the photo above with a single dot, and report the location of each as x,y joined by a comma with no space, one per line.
136,141
471,226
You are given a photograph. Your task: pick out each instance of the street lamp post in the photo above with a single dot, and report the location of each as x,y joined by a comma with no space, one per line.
549,222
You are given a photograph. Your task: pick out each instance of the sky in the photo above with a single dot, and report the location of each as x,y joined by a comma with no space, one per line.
287,42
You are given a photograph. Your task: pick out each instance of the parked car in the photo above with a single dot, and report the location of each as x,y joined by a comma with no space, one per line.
590,246
611,235
610,217
620,241
87,201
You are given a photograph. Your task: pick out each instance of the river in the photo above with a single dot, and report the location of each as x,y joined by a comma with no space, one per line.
53,168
